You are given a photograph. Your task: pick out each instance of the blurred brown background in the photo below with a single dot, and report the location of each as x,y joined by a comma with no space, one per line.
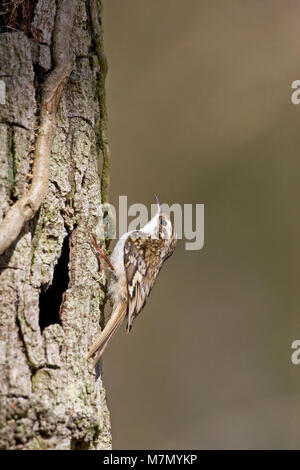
200,112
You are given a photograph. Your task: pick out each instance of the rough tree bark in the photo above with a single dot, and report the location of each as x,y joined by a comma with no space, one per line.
50,398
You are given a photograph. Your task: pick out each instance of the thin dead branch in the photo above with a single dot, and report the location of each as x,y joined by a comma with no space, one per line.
25,208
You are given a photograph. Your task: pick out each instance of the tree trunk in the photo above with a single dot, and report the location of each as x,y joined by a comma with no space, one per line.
50,292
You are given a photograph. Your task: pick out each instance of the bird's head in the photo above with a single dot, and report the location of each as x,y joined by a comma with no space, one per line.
160,226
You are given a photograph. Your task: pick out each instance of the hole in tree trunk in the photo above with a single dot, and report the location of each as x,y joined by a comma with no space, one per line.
50,300
79,445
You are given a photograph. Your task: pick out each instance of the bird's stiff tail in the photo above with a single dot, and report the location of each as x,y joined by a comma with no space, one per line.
111,327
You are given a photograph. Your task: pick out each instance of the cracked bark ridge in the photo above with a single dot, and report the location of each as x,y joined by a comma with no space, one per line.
50,398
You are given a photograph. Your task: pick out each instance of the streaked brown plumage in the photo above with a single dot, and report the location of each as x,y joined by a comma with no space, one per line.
136,262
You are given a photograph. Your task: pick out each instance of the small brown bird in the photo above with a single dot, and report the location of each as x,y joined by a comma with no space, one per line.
135,263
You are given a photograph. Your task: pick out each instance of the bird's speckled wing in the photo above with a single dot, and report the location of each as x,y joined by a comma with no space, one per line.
142,262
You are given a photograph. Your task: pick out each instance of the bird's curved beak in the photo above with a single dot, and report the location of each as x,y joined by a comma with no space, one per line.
158,205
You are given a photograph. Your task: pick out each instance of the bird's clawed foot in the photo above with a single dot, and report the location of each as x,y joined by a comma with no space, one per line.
102,254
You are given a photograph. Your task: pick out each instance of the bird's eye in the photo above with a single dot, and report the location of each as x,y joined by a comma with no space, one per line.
163,222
